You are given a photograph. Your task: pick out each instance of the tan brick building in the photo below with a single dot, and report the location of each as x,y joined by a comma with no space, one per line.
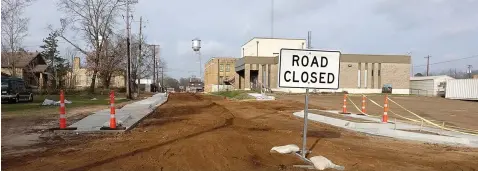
81,77
359,73
219,71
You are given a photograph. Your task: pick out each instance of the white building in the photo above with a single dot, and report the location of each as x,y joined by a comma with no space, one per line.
359,73
429,85
270,47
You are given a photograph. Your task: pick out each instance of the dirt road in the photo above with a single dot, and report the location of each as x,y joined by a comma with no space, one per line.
192,132
452,112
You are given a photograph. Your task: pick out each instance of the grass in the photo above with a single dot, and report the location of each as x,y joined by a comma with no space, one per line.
77,101
236,94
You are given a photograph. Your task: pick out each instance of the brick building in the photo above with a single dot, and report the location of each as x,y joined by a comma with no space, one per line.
219,71
80,78
359,73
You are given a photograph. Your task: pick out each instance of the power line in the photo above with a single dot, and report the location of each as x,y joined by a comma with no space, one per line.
474,56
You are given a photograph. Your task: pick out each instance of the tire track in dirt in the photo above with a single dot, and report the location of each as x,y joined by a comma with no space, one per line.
198,132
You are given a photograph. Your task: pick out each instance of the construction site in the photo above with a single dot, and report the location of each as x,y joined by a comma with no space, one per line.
243,118
214,89
194,132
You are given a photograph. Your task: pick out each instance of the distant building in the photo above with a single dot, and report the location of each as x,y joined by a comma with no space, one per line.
429,85
81,77
195,85
475,76
219,71
359,73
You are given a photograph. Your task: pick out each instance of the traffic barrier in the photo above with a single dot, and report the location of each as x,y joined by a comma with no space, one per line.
385,110
344,107
363,104
112,110
62,110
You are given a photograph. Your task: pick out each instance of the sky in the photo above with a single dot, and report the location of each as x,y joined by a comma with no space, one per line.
444,29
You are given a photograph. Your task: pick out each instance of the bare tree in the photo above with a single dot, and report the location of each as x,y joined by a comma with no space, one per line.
70,55
93,19
112,62
14,29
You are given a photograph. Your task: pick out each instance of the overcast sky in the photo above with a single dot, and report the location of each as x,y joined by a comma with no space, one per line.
444,29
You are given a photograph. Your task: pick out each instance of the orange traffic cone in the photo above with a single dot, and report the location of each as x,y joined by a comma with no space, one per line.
363,104
385,110
62,110
344,107
112,110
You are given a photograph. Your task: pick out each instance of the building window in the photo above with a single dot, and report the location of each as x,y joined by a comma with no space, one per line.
228,67
221,67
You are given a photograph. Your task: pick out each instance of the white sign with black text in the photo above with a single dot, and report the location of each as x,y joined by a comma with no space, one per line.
307,68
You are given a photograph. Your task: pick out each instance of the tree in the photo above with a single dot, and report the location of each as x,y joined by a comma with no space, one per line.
71,53
14,29
113,60
184,82
93,20
171,83
56,64
418,75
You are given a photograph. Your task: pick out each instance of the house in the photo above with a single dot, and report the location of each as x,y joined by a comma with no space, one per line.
30,66
80,77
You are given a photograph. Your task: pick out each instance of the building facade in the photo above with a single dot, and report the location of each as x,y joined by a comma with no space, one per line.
80,78
428,85
219,74
359,73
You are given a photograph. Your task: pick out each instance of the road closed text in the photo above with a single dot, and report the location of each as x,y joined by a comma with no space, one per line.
301,68
306,76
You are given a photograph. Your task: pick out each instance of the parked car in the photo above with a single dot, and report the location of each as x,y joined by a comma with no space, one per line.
387,88
15,90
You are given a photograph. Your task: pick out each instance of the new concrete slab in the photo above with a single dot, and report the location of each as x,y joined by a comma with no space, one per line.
395,130
128,116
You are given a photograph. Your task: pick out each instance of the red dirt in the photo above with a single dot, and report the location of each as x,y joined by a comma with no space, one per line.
453,112
192,132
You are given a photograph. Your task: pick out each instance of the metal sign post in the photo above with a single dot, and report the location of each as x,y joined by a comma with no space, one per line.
306,114
309,69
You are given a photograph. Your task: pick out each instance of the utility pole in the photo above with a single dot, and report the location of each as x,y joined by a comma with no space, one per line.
128,51
309,36
469,70
139,57
154,66
162,79
272,18
428,64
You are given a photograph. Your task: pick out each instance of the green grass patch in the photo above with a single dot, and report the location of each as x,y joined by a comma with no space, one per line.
77,101
234,94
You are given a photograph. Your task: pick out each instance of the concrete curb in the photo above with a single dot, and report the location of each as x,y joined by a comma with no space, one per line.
128,116
393,130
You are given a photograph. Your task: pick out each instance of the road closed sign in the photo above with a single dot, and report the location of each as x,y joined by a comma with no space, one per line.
307,68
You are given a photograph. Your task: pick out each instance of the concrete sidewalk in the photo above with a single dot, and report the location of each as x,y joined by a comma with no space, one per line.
128,116
395,130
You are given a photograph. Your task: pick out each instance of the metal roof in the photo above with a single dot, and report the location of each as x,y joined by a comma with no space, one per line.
430,77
